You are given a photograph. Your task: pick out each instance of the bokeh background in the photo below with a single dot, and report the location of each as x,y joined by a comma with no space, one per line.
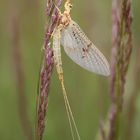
88,93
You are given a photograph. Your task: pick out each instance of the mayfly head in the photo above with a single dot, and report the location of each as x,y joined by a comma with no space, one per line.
68,6
65,17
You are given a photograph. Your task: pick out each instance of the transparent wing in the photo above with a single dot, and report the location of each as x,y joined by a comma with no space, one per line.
82,51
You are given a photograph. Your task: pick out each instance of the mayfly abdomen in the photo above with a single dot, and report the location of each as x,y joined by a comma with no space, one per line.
57,52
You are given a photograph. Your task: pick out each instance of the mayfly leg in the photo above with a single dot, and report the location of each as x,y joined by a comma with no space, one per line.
58,62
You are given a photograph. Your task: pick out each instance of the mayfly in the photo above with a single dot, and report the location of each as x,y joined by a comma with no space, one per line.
80,49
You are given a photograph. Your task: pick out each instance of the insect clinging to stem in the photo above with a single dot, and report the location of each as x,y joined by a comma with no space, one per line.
77,45
80,49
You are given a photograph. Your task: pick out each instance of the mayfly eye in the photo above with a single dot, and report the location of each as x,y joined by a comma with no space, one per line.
70,5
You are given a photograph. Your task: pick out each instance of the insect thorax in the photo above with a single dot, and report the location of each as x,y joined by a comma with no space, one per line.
65,17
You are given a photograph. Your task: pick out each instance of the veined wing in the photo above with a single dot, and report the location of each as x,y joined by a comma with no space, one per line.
82,51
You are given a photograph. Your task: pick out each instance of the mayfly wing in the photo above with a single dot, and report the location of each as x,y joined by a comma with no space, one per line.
82,51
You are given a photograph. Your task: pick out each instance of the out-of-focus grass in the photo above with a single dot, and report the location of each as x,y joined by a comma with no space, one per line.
88,93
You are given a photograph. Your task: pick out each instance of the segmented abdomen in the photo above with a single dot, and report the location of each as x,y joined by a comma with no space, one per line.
57,51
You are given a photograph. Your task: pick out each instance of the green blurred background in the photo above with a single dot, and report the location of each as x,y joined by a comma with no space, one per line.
88,93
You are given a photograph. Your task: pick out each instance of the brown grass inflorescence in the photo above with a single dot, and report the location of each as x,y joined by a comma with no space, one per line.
47,67
121,52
